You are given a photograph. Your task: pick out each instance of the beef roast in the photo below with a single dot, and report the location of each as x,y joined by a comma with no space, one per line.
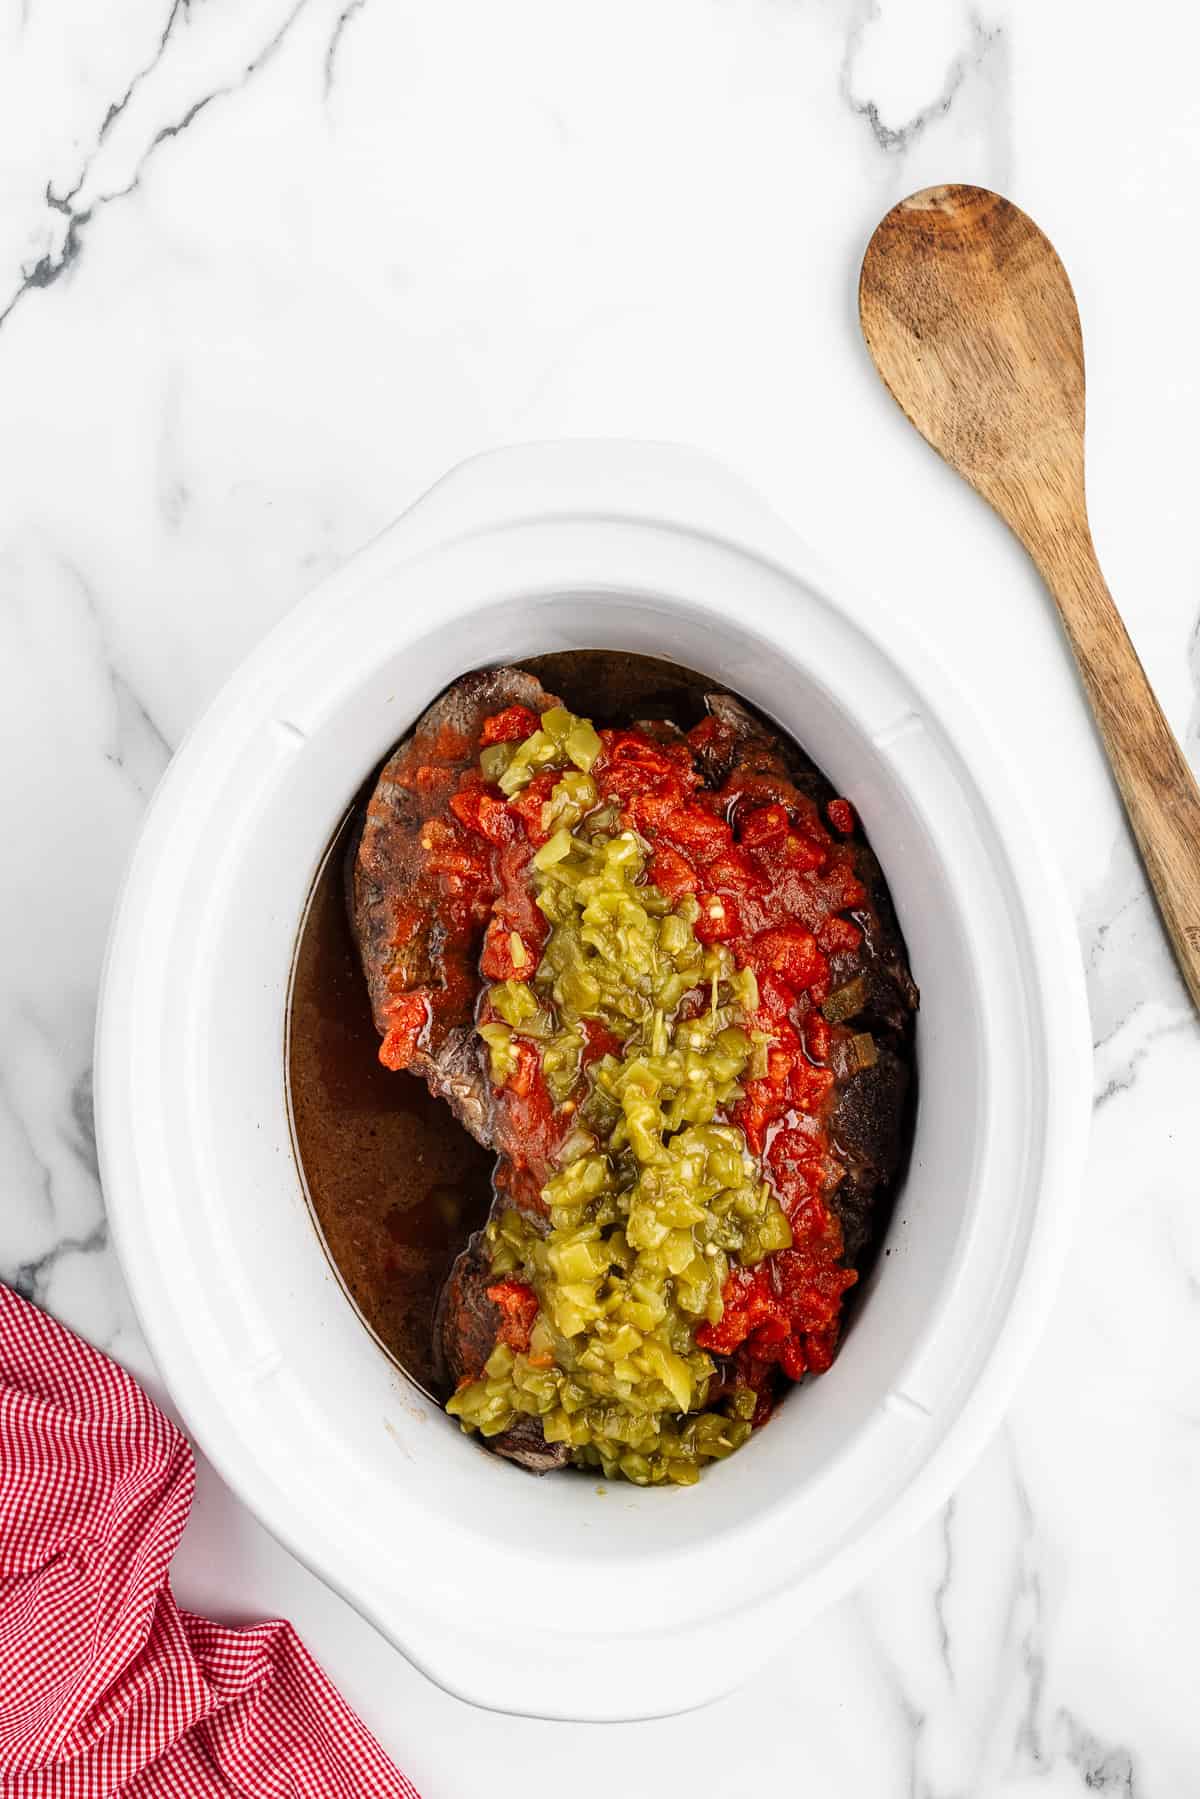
754,766
387,879
872,1104
465,1330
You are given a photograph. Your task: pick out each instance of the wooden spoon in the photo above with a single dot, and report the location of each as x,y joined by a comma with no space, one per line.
972,323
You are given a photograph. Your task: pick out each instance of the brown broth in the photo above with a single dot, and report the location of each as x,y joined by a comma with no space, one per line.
395,1183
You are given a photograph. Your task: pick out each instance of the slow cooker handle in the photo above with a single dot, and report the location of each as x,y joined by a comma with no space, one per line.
660,483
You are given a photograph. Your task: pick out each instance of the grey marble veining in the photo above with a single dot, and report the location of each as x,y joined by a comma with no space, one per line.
266,269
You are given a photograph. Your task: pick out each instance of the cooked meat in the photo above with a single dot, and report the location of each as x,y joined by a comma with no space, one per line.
411,954
868,1136
872,1103
388,882
465,1331
467,1321
524,1444
394,899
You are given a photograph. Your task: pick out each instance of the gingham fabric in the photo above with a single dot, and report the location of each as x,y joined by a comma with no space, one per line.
106,1686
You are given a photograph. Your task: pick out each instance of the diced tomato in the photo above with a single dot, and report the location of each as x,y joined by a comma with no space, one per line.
506,956
838,935
527,1070
533,1128
809,1216
630,763
448,851
456,863
768,825
801,853
775,996
761,1104
814,1035
671,873
785,1310
517,909
513,725
791,952
789,1160
598,1041
840,889
718,918
766,1340
840,814
809,1087
482,812
732,1328
819,1347
733,872
530,804
518,1307
408,1015
698,833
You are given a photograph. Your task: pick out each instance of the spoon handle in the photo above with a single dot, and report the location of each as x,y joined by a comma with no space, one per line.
1158,788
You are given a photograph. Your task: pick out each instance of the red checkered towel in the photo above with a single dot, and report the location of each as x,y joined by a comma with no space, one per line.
106,1686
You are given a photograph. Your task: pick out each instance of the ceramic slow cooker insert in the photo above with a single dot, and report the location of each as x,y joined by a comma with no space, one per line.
633,1602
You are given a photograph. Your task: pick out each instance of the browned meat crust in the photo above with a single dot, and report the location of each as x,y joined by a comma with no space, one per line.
387,869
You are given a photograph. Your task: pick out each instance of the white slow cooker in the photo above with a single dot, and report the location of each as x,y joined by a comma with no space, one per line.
559,1597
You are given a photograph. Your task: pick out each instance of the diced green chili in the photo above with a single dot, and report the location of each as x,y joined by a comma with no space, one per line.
654,1197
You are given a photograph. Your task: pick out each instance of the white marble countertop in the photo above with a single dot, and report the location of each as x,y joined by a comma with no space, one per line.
266,269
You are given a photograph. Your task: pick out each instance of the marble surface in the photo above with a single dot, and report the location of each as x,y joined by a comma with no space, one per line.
267,267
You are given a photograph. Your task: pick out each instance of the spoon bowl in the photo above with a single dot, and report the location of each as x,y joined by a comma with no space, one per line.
970,318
